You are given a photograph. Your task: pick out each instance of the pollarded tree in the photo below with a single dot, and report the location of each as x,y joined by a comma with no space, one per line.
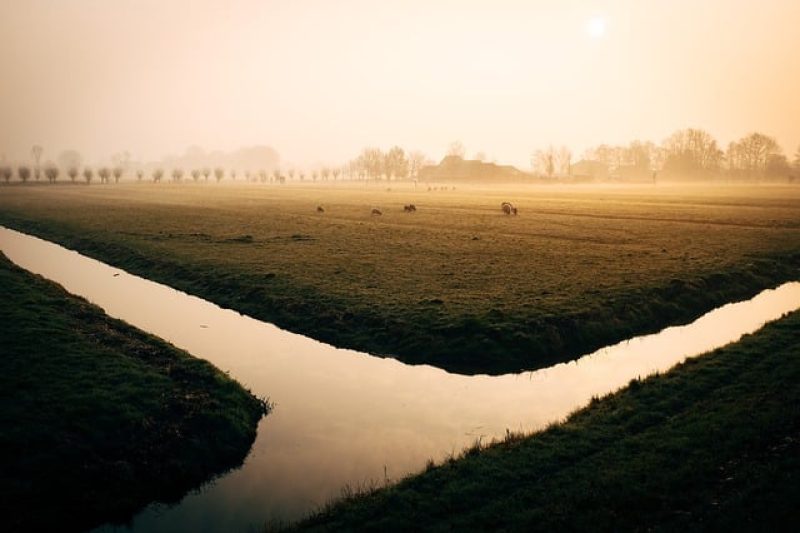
117,172
796,162
104,174
157,175
336,171
262,176
233,174
276,174
325,173
314,176
88,174
139,175
6,172
219,173
72,172
24,173
51,173
177,175
206,173
195,175
291,174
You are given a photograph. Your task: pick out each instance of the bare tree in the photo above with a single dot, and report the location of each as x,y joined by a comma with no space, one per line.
395,163
796,162
233,174
157,175
416,160
325,173
314,175
206,173
88,174
177,175
72,172
51,173
6,172
139,175
117,172
276,174
24,173
195,174
544,161
104,174
291,173
262,176
563,161
691,151
336,171
219,173
457,149
70,159
37,152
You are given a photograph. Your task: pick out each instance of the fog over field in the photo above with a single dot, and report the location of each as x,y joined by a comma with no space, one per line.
318,81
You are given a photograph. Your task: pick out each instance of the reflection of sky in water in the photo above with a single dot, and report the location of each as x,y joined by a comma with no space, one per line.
342,416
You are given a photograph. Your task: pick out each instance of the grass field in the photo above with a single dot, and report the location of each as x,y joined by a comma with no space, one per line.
712,445
98,418
457,284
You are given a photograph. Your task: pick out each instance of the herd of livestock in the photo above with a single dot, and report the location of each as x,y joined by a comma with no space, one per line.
506,207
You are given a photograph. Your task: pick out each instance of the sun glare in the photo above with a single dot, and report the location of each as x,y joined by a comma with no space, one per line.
596,27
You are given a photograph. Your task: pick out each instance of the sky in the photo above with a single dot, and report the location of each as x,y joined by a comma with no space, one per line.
320,80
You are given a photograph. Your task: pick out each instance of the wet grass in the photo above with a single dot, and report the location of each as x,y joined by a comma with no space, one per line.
457,284
712,445
99,418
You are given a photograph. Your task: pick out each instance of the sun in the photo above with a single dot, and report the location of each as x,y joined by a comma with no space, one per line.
596,27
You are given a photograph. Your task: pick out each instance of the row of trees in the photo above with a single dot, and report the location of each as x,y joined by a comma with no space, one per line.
687,152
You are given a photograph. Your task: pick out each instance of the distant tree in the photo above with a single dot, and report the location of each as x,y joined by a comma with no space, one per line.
246,175
480,156
302,175
796,163
70,159
371,163
395,163
416,160
262,176
104,174
325,173
6,172
195,174
544,161
563,161
314,175
336,172
121,160
177,175
88,174
157,175
219,173
752,154
276,174
51,173
117,172
777,166
139,175
456,148
24,173
291,173
233,174
72,172
37,152
691,151
206,173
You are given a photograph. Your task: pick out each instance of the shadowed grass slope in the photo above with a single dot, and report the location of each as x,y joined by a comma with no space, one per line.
457,284
98,418
714,444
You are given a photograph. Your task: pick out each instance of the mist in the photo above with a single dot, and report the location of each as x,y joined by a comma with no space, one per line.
319,81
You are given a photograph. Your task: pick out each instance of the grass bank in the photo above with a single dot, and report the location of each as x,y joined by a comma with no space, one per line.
714,444
99,418
457,284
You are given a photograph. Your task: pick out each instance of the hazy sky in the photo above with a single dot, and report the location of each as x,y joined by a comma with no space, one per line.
319,80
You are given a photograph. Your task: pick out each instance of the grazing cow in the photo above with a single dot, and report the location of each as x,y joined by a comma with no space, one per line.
410,208
508,208
320,209
376,211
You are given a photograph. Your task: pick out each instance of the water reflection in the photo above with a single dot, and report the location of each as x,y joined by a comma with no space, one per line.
343,417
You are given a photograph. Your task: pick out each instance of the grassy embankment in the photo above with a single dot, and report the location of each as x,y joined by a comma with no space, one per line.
456,284
99,418
714,444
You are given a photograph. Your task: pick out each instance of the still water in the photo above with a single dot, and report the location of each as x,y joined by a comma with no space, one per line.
347,418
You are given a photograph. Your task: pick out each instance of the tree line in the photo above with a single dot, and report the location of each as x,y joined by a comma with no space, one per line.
688,152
